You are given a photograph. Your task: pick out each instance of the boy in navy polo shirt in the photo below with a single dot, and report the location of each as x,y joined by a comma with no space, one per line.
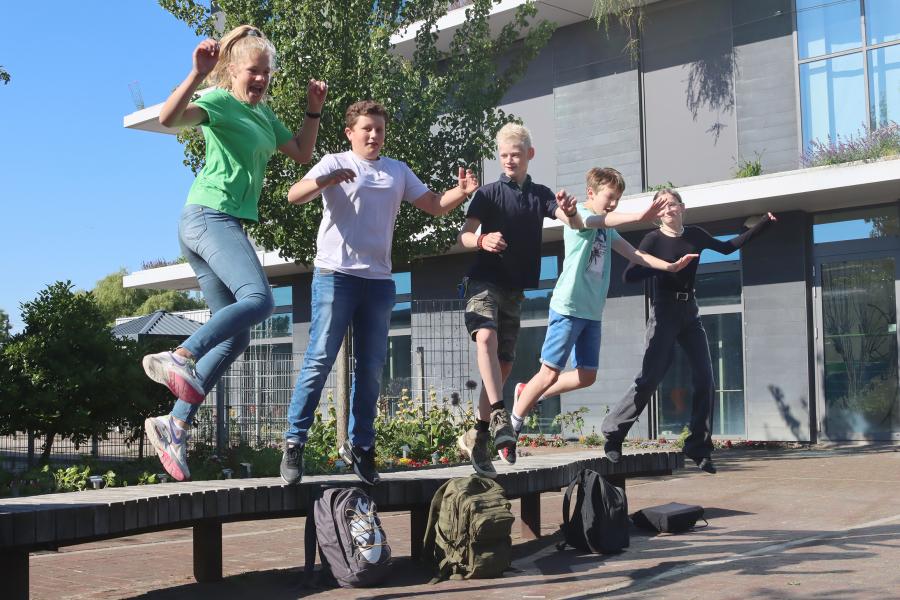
510,213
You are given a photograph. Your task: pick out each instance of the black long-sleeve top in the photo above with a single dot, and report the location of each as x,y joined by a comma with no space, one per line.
694,240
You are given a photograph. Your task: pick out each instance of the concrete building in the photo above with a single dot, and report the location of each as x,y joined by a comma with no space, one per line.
802,323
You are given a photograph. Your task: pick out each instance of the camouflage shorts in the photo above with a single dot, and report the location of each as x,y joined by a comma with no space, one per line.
492,307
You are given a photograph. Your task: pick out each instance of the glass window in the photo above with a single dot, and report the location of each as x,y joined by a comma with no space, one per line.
403,283
882,21
716,289
833,98
826,26
397,375
858,224
401,316
549,267
884,84
711,256
283,295
537,302
278,325
727,353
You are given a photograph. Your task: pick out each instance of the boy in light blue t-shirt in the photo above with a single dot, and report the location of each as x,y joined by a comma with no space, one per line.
576,307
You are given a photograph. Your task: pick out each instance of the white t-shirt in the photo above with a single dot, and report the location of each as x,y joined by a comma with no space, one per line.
358,217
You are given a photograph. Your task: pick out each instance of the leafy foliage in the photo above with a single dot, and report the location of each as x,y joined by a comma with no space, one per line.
629,14
866,145
443,102
5,327
4,76
115,300
749,167
58,378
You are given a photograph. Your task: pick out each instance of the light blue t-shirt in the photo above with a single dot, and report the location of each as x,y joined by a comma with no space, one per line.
582,286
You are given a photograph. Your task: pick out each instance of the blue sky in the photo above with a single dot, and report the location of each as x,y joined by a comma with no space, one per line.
81,195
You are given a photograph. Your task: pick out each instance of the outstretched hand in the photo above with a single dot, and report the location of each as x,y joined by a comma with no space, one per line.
335,177
466,181
206,55
656,209
566,202
771,217
315,95
682,262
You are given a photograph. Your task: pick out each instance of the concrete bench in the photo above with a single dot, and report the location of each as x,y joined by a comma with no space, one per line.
54,520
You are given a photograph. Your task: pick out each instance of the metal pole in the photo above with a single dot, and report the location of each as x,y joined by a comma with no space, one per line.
221,427
342,393
420,374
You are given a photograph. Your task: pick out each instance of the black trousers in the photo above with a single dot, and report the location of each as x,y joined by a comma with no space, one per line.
670,321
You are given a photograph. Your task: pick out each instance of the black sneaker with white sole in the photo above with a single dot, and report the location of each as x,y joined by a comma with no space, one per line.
362,461
292,462
613,450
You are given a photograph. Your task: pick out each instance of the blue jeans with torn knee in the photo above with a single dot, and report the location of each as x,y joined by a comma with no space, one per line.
234,286
339,300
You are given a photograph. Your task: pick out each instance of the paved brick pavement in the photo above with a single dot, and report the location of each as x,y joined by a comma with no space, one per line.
821,523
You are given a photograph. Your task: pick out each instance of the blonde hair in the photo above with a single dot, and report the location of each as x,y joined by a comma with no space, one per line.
514,133
237,44
605,176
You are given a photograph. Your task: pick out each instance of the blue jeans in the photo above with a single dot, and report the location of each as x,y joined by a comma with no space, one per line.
565,332
234,286
338,300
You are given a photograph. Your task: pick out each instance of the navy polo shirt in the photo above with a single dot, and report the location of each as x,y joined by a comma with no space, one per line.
517,213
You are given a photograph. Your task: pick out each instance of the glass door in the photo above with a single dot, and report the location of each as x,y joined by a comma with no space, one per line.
856,331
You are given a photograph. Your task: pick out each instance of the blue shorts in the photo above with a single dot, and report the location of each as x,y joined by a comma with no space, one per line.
564,333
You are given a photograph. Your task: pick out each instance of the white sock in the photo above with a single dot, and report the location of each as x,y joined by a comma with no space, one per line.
517,421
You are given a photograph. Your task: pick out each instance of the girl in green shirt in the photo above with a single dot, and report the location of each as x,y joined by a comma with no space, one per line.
241,134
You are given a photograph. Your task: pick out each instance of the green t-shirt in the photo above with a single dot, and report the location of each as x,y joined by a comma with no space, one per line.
240,140
582,286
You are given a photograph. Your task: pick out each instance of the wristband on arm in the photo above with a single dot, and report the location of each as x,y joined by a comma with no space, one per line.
480,243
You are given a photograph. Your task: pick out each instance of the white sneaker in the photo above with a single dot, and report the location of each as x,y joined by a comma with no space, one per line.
176,373
170,446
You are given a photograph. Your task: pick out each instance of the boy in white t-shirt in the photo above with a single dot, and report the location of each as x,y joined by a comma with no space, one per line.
362,193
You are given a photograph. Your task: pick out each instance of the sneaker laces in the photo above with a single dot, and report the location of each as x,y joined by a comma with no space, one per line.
293,452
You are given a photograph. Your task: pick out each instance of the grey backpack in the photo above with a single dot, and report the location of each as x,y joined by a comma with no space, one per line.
344,524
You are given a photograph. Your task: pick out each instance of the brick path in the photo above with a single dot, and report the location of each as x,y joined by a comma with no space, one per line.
783,524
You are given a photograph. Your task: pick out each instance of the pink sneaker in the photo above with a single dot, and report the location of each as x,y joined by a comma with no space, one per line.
171,448
176,373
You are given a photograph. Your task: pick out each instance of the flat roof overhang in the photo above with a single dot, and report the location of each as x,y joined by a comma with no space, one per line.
811,190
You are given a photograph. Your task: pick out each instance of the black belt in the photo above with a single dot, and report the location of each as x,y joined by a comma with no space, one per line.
672,295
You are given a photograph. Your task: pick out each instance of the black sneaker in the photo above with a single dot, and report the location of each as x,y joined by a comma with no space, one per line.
613,450
292,463
363,462
706,465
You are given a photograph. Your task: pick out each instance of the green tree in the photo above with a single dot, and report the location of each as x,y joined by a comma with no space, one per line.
4,75
62,369
5,327
444,103
115,300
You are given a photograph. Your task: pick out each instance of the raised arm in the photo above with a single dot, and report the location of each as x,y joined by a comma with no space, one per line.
735,243
566,210
178,110
638,257
440,204
616,219
300,147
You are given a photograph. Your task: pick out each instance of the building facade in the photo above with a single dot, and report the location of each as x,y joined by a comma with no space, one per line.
802,322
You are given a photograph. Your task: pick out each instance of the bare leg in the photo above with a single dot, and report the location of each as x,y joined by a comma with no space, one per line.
570,381
489,368
535,389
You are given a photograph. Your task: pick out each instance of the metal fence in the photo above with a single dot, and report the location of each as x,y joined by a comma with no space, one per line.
249,404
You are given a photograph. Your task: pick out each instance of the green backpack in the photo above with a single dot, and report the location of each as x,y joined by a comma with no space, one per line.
468,531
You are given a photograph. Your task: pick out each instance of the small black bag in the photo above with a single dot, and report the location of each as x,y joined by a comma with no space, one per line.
600,520
669,518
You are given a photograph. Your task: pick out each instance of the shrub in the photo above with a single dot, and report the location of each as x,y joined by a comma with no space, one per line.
866,145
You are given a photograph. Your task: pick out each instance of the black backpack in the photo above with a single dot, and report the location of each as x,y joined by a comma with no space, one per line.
344,524
669,518
599,523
